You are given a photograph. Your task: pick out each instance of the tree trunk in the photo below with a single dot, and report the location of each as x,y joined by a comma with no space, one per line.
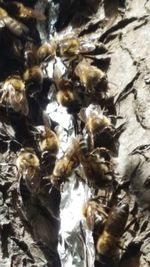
30,220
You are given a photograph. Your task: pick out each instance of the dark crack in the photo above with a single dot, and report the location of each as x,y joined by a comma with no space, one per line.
129,88
120,25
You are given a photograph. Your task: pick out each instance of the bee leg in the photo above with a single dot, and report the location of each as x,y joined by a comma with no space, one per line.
44,66
91,141
4,95
75,124
79,176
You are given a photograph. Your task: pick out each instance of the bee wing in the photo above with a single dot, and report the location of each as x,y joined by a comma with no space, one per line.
46,120
2,24
57,74
93,109
19,102
24,106
82,114
26,12
86,47
15,103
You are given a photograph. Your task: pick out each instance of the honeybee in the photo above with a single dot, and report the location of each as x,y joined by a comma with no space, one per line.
13,93
97,165
64,167
69,46
20,11
72,46
46,51
48,140
90,76
108,242
15,27
101,131
94,213
28,166
66,95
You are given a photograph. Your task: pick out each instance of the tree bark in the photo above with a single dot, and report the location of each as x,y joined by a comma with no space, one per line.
29,224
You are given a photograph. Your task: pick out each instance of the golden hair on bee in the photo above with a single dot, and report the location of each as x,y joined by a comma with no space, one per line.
33,75
108,242
14,26
96,120
23,12
46,51
3,13
101,131
27,158
93,211
89,75
66,97
28,166
64,166
16,82
69,46
96,164
13,93
48,140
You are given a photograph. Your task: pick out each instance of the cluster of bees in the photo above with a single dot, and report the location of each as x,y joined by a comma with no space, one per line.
83,90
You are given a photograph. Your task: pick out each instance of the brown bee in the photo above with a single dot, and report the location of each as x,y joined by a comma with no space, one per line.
20,11
108,242
13,93
72,46
46,51
101,131
97,165
64,167
15,27
90,76
48,140
33,75
66,95
28,166
94,213
69,46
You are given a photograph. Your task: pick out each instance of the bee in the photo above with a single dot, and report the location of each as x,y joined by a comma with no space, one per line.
20,11
66,94
64,167
46,51
94,213
13,93
15,27
49,146
28,166
72,46
48,140
108,242
69,47
91,78
101,131
97,165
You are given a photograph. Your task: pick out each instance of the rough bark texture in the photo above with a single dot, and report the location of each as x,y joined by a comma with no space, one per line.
29,224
